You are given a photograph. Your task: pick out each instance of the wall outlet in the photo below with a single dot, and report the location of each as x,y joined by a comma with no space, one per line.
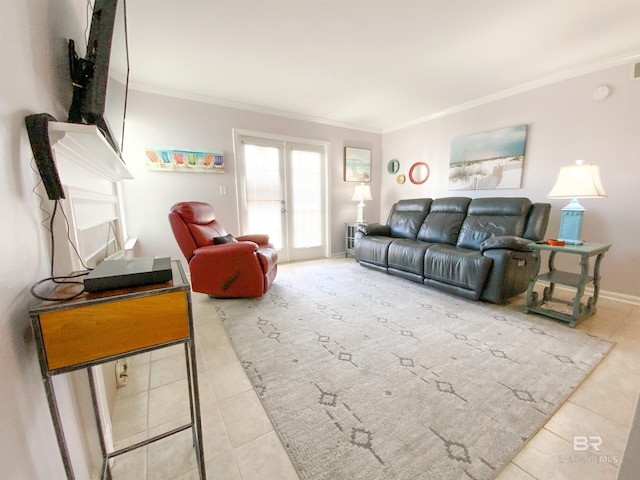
122,372
223,189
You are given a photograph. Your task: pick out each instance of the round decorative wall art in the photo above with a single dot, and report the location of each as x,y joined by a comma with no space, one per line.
419,173
401,179
393,166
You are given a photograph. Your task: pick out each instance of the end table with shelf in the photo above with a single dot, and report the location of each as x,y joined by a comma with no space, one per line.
568,311
94,328
350,230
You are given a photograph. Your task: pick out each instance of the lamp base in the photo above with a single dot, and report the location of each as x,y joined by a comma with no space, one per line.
571,223
360,218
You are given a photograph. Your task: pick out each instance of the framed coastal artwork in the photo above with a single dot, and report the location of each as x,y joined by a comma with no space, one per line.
357,164
194,161
488,160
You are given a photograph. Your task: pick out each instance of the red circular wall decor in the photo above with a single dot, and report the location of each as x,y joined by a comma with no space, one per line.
419,173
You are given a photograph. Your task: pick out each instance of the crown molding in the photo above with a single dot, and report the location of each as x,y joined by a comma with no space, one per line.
548,80
168,92
551,79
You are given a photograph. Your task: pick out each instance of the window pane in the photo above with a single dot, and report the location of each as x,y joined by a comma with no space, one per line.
263,191
306,198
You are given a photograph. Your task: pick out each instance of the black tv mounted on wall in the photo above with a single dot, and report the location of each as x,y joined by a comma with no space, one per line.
100,83
100,80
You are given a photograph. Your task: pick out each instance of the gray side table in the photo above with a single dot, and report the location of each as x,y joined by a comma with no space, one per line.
350,239
574,311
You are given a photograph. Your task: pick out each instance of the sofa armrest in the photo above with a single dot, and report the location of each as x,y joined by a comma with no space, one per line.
507,242
258,238
225,250
374,229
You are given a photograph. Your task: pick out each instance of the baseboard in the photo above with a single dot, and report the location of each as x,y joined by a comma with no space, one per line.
620,297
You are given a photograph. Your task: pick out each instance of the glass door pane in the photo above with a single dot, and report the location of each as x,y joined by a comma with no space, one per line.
282,192
306,203
263,192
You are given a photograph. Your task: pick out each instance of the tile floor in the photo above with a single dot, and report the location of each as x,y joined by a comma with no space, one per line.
241,444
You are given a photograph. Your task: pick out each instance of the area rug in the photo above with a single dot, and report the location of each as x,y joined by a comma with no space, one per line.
369,376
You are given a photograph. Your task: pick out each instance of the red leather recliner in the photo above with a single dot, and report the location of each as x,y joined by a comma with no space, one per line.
245,268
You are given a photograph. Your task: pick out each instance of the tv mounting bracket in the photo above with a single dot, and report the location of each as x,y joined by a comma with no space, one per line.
81,74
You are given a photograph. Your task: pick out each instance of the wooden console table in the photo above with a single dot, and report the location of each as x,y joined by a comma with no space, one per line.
95,328
576,310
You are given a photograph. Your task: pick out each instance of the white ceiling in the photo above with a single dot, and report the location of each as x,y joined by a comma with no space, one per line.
377,64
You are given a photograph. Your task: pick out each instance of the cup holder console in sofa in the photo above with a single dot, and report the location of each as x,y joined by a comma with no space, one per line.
478,249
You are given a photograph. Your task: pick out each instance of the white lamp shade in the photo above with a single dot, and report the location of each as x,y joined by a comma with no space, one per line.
362,192
578,181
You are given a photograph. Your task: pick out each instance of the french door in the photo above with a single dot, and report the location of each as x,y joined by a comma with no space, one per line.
282,191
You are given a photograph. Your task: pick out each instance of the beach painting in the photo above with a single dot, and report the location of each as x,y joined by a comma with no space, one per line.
488,160
357,164
173,160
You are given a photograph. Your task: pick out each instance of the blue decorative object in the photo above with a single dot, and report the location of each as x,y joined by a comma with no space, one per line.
571,223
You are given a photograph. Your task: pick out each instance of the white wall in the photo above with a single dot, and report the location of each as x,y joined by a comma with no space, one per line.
565,124
35,79
156,120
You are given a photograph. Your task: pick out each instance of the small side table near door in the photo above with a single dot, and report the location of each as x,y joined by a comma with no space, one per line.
350,238
552,307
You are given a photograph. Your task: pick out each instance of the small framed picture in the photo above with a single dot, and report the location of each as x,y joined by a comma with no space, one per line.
357,164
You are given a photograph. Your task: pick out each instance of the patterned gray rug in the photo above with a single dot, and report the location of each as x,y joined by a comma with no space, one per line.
368,376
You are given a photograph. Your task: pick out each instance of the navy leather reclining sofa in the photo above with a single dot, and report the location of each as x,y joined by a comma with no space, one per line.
475,248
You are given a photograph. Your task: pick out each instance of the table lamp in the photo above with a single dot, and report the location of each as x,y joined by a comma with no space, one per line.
576,181
361,193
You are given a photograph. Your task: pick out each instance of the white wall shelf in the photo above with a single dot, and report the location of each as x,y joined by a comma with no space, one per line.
90,171
84,146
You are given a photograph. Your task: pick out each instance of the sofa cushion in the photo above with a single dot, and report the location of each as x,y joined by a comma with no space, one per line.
407,255
537,221
374,250
442,224
406,217
373,229
456,266
491,217
195,212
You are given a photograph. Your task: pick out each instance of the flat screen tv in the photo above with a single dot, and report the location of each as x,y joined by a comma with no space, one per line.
104,100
